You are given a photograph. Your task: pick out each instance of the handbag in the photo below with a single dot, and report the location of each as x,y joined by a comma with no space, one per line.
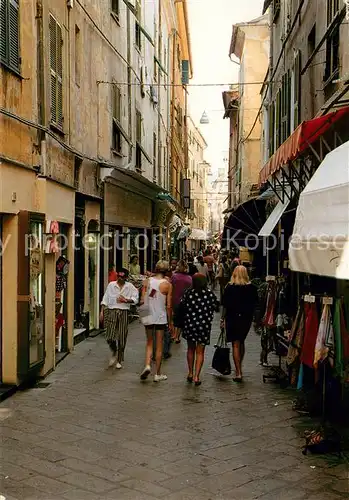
179,316
144,313
221,358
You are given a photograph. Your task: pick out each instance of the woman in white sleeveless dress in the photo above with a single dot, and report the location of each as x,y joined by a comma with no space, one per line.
157,294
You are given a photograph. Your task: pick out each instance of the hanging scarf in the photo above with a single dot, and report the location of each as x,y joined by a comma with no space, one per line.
325,333
269,317
296,337
310,334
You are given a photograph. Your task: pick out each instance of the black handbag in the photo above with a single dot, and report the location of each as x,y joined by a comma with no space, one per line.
221,357
179,315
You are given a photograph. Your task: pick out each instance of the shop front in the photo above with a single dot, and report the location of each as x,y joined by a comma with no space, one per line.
87,265
129,226
307,293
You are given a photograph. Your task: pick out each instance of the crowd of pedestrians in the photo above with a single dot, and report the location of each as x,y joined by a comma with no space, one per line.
178,300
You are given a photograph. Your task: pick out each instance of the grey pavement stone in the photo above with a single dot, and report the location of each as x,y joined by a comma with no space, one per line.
87,482
146,487
99,434
95,470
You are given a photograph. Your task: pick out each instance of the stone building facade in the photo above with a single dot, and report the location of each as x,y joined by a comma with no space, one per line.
85,151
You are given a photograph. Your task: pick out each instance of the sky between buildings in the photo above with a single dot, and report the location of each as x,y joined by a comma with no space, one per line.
210,29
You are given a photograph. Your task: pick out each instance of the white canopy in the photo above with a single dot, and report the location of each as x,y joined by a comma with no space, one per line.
320,240
273,218
198,234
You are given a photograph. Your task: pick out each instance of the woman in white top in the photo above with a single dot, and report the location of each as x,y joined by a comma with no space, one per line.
157,295
202,266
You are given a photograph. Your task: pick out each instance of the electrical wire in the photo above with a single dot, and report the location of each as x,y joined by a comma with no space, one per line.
181,84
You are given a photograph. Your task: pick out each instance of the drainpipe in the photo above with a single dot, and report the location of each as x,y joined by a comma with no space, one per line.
41,83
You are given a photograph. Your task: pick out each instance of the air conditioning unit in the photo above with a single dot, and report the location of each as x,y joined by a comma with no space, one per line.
154,94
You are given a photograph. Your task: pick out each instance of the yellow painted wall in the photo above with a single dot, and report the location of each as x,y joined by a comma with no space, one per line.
9,300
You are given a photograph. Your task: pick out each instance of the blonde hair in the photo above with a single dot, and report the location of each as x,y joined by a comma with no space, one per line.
162,267
240,276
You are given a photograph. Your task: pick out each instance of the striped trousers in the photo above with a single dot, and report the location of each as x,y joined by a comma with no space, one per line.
116,325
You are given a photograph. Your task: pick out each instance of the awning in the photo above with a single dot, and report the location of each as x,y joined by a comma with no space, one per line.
301,139
273,219
175,223
198,234
320,240
244,223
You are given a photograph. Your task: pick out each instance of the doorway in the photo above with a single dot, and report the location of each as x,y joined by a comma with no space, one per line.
92,243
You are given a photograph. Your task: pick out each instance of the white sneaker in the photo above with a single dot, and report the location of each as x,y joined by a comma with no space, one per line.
159,378
112,361
145,373
118,366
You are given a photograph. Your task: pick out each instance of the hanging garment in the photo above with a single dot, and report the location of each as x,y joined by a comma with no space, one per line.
325,329
269,317
338,351
61,283
296,337
311,328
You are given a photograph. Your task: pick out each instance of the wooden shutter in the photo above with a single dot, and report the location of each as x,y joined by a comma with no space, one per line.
278,120
56,71
271,128
3,30
9,33
297,90
13,30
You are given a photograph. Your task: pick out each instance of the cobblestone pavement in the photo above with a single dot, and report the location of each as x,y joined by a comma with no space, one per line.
95,434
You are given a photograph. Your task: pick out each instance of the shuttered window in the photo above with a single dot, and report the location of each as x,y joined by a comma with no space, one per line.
297,90
56,72
285,107
278,120
116,111
9,34
271,119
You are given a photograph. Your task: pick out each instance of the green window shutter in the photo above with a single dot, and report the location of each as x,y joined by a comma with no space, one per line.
13,30
56,71
3,30
185,72
59,76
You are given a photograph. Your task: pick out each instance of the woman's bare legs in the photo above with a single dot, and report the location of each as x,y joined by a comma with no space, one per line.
199,360
190,358
149,347
148,354
159,335
242,352
237,358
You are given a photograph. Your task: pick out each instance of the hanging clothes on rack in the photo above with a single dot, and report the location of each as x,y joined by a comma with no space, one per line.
311,328
325,333
296,337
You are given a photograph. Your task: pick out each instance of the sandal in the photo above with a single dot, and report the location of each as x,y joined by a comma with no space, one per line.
189,379
237,379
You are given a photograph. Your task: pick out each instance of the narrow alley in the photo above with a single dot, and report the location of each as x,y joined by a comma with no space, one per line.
91,433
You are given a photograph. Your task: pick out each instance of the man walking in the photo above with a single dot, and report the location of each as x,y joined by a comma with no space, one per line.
116,303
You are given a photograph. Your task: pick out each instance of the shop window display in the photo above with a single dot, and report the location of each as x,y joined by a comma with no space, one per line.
36,305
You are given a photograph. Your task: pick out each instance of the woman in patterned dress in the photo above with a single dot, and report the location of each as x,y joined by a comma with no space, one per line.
198,306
